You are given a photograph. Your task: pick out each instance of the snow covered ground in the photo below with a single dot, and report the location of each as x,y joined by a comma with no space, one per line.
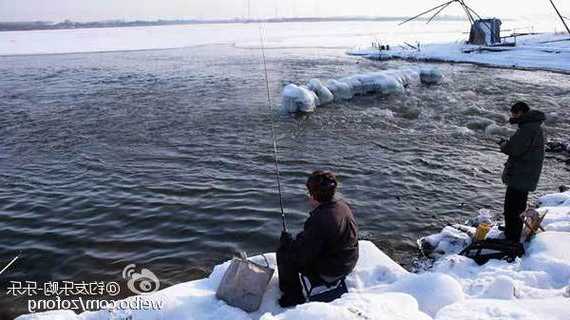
533,287
545,52
321,35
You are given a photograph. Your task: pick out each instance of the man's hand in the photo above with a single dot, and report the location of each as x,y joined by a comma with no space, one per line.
501,142
286,239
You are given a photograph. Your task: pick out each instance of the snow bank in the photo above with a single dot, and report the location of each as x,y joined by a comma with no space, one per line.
433,291
388,306
543,51
553,309
383,82
535,286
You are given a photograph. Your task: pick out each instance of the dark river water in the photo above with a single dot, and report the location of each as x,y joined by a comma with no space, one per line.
163,158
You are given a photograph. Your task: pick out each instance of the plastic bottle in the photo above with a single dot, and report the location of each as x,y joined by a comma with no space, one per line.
484,226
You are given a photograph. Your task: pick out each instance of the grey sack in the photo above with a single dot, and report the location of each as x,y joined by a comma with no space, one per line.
244,284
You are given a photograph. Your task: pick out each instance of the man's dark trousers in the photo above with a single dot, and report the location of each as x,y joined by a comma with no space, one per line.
289,281
515,204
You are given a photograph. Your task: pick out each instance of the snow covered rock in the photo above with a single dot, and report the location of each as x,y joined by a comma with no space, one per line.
382,82
299,99
449,240
323,93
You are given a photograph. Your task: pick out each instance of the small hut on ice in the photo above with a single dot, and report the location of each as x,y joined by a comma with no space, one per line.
485,32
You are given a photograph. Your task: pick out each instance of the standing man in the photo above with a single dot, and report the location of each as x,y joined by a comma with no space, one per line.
522,170
327,248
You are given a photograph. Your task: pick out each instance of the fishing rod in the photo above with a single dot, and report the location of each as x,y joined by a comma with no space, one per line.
11,262
275,151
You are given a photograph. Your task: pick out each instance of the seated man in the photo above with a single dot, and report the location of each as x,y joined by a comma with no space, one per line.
327,248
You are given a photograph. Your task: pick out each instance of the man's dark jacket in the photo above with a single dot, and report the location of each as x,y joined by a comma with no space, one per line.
526,153
328,244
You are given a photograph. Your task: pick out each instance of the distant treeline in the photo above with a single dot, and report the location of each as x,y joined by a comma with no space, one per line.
68,24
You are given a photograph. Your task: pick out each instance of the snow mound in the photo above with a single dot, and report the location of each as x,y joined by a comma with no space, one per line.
383,82
433,291
487,309
388,306
549,252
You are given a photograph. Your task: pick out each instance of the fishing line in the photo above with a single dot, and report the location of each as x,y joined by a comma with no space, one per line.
275,151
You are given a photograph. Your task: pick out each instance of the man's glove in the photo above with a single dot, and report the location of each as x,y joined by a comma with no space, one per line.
286,239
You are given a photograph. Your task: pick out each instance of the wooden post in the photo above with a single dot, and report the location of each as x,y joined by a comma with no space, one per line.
561,18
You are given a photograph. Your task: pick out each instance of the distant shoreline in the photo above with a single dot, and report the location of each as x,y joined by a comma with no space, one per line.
68,24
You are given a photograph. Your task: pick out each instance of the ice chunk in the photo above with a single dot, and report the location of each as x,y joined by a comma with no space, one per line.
323,93
355,85
431,76
494,129
299,99
340,90
479,123
382,82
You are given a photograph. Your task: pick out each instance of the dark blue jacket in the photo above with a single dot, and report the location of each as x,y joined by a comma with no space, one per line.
526,153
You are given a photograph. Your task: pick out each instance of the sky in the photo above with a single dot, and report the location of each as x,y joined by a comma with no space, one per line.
90,10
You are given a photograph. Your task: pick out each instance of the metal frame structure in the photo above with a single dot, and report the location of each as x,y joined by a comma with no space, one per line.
469,12
562,18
